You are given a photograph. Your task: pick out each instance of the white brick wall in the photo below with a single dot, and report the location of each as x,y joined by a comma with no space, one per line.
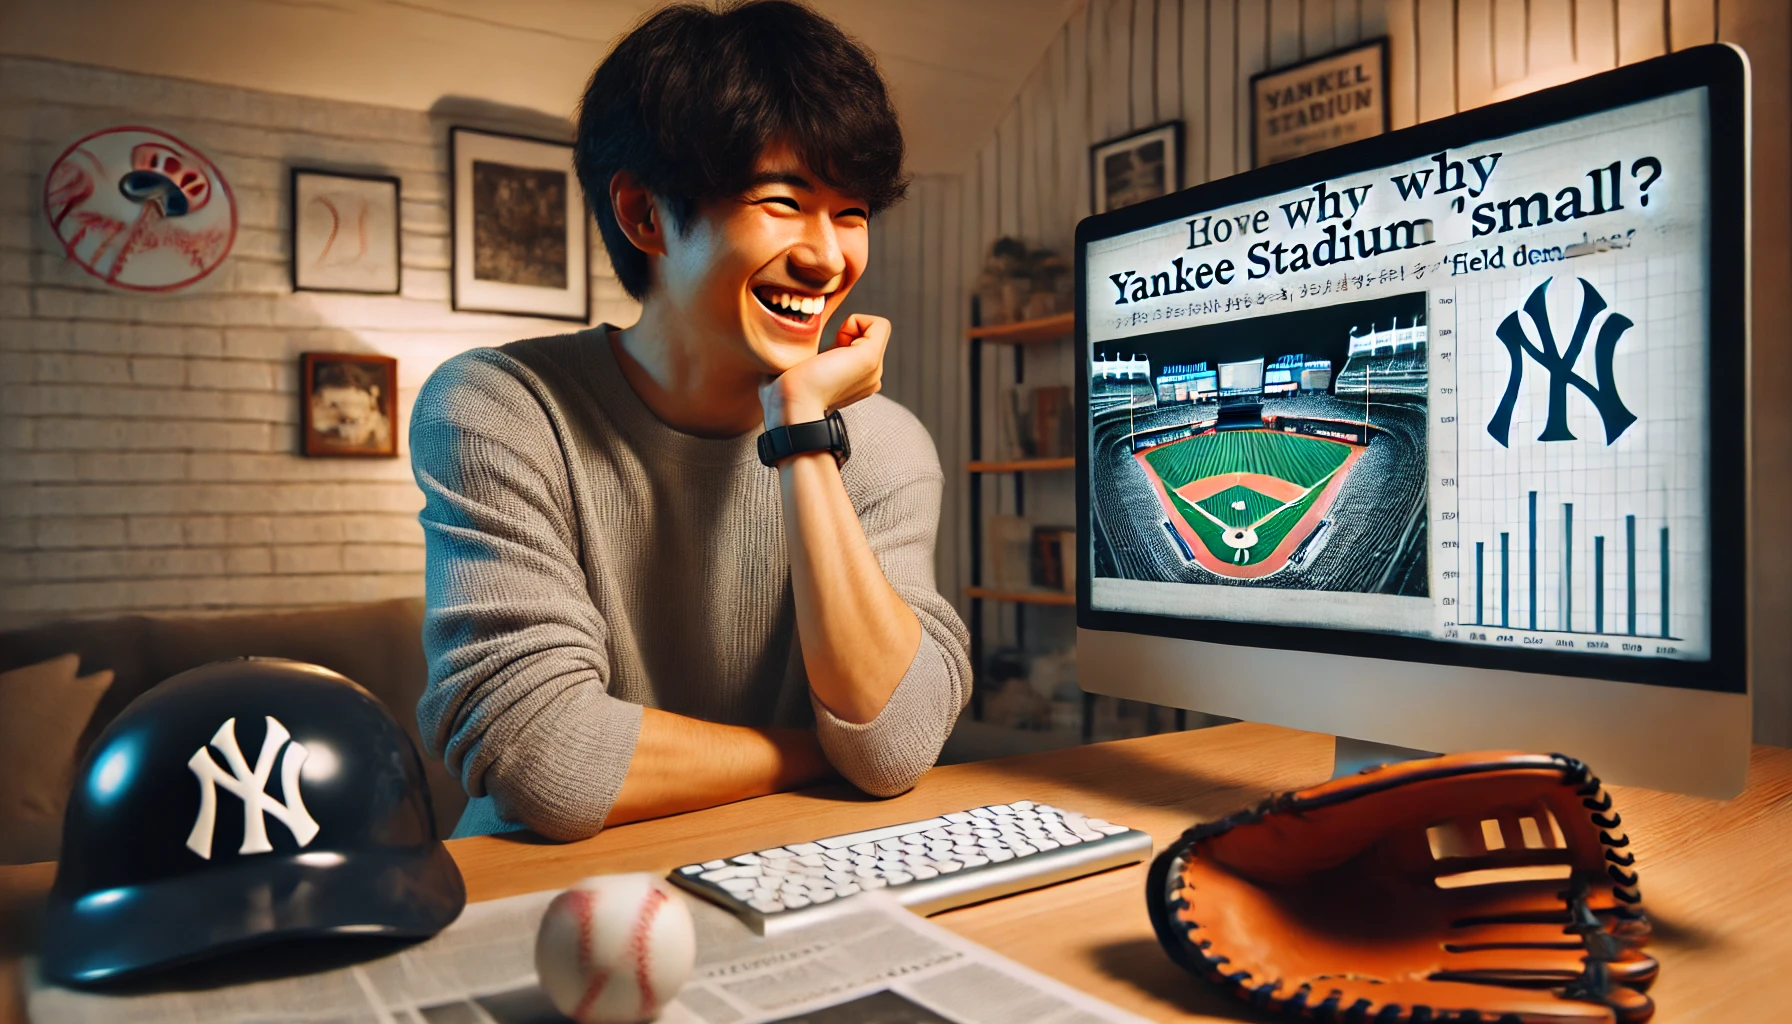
147,441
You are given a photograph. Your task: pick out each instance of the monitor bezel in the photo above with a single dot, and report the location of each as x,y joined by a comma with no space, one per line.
1719,68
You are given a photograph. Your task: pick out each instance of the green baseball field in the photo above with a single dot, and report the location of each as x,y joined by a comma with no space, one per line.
1245,499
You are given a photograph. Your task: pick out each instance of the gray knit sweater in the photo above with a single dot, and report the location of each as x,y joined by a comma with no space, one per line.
585,560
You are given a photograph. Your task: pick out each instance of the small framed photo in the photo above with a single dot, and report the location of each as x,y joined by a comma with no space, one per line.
1319,103
349,404
344,232
519,227
1136,167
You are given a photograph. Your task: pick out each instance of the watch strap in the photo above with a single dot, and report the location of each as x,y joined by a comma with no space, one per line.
823,435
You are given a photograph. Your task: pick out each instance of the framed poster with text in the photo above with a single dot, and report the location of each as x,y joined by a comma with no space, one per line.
1329,100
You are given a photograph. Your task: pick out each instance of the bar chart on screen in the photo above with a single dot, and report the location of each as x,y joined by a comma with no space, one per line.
1576,511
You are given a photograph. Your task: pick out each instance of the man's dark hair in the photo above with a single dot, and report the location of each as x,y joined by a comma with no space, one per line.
688,101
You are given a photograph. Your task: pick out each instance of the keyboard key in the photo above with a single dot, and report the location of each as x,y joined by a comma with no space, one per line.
870,884
711,865
1022,805
1023,849
975,861
1002,810
959,830
811,860
924,872
805,849
982,812
889,844
873,835
796,902
947,866
746,858
776,853
740,885
1111,830
766,906
959,816
936,833
690,869
1045,845
849,889
1000,855
898,877
821,897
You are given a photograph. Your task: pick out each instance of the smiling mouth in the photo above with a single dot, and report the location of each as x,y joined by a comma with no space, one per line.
791,306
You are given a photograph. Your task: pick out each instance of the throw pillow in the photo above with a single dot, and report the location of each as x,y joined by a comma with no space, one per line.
43,708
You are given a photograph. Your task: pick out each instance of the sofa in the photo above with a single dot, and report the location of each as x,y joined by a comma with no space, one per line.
378,645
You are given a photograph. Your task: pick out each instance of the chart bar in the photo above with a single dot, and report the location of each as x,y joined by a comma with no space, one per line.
1505,578
1630,572
1478,591
1664,583
1598,584
1531,577
1568,567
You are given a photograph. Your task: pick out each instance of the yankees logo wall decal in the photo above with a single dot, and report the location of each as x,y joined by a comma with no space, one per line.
140,209
250,786
1560,366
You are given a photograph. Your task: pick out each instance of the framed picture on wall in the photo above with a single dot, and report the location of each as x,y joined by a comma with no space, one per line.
1327,101
344,232
1136,167
519,227
348,404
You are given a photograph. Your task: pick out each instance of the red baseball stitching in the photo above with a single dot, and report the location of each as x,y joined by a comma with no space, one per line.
584,904
639,949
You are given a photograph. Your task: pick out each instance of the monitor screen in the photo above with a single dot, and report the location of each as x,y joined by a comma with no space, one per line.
1486,422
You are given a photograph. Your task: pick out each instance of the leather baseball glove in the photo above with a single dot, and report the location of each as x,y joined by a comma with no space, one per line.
1352,900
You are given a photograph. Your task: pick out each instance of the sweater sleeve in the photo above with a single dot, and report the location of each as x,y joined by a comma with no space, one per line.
886,755
517,701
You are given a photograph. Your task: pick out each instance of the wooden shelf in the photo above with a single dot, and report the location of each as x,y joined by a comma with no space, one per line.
1026,332
1023,596
1021,465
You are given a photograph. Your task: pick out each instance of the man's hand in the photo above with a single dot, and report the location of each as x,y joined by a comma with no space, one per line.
852,370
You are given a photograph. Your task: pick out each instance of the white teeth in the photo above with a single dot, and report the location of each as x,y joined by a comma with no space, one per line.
809,305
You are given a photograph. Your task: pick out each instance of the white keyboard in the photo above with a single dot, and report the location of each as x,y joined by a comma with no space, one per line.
929,866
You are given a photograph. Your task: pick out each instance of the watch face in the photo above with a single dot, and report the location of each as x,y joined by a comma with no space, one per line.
844,451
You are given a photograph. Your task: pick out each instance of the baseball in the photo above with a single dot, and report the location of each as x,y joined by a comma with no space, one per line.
615,949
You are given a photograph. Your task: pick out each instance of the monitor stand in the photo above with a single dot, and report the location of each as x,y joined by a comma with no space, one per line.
1351,756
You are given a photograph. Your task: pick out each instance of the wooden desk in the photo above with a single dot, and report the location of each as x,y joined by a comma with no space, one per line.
1714,874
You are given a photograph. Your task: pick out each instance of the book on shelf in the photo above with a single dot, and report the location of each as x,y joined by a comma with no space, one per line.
1054,558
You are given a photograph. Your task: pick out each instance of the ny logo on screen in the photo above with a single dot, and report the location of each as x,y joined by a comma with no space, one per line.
1603,393
250,786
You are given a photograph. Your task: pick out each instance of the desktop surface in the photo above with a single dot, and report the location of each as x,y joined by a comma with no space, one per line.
1713,873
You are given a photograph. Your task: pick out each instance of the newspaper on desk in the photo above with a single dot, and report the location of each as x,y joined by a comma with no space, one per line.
872,961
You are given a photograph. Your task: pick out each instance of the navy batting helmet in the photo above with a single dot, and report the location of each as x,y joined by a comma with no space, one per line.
239,803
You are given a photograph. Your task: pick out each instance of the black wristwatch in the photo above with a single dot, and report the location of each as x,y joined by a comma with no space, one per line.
824,435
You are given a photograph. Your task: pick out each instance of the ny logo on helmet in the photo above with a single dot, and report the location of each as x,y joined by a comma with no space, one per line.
250,786
1560,367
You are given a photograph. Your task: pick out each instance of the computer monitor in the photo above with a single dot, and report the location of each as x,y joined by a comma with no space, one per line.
1504,501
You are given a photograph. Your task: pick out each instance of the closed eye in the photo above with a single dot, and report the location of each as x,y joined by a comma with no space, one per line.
854,212
785,200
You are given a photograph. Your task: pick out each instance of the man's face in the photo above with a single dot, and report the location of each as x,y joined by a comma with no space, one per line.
762,272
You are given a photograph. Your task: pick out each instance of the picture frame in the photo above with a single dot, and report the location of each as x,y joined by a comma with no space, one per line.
519,231
348,405
1136,167
1279,132
345,232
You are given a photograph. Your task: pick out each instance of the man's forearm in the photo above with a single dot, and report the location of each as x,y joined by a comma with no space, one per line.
858,636
683,764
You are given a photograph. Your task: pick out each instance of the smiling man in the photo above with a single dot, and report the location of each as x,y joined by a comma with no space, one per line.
691,561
